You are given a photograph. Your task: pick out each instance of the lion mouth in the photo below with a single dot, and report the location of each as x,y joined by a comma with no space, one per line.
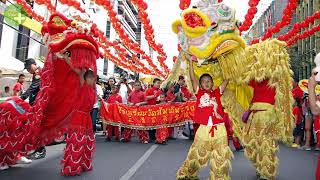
224,47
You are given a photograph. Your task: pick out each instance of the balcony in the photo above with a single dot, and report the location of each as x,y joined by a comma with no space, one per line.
128,29
128,11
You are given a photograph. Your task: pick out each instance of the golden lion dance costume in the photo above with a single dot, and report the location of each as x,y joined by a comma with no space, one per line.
259,81
58,108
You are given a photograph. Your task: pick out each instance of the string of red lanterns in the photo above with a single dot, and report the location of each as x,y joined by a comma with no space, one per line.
303,35
247,23
52,9
184,4
30,11
106,4
298,26
286,20
128,63
149,33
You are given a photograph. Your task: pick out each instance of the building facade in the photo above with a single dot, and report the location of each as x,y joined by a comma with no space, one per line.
307,48
19,43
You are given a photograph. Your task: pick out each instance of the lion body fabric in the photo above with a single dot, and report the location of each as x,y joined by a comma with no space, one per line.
260,80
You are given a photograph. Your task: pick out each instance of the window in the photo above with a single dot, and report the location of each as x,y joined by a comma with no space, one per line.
1,26
22,43
108,29
105,66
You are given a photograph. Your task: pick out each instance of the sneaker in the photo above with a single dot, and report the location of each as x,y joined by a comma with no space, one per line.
4,167
305,148
23,160
145,142
181,136
38,154
317,149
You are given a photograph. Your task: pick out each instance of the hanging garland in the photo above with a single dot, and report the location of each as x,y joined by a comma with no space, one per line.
298,26
247,23
106,4
286,19
30,11
303,35
184,4
128,64
149,33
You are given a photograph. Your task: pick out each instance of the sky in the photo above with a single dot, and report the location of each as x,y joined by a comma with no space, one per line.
163,12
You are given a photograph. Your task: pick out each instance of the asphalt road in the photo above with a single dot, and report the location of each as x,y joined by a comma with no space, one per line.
136,161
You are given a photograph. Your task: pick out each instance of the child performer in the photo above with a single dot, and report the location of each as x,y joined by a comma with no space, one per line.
298,130
210,142
80,142
136,98
113,98
162,133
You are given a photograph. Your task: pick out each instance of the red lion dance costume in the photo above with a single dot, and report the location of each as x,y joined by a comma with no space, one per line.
59,107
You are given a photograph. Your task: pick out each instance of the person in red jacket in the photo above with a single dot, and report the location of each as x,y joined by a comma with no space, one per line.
152,94
113,98
210,142
136,98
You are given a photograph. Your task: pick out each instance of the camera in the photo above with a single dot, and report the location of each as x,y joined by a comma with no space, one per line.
176,88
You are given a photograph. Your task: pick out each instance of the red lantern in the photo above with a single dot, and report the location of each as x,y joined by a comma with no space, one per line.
184,4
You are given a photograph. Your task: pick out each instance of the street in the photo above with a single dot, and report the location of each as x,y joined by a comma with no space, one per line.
136,161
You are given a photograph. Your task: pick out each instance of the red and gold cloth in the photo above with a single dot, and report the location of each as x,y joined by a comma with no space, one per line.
147,117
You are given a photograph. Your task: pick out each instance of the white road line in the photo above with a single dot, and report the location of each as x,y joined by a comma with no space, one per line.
139,163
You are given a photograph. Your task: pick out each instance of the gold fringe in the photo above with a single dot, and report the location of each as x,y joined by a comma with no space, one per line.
233,63
270,60
108,122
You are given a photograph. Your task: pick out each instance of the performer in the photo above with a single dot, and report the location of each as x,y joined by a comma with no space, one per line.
136,98
24,127
152,95
210,142
80,140
114,97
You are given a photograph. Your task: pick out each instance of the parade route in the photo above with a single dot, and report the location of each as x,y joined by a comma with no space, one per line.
135,161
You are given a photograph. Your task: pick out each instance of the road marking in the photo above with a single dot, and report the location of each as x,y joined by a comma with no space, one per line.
139,163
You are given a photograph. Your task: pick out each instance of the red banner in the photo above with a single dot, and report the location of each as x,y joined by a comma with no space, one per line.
147,117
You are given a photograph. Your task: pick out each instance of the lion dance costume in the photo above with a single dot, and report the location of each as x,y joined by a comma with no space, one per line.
259,81
59,107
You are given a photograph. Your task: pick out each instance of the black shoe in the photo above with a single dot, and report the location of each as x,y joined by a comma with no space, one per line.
123,140
172,138
108,139
162,143
38,154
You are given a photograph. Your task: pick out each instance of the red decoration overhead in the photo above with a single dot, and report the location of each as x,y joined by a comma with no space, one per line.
184,4
250,15
298,26
124,36
286,20
30,11
303,35
149,33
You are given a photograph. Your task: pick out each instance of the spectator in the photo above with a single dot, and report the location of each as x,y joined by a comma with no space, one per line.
18,87
136,98
298,130
113,98
179,93
31,93
152,95
162,134
124,89
6,92
107,91
308,122
314,106
95,110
